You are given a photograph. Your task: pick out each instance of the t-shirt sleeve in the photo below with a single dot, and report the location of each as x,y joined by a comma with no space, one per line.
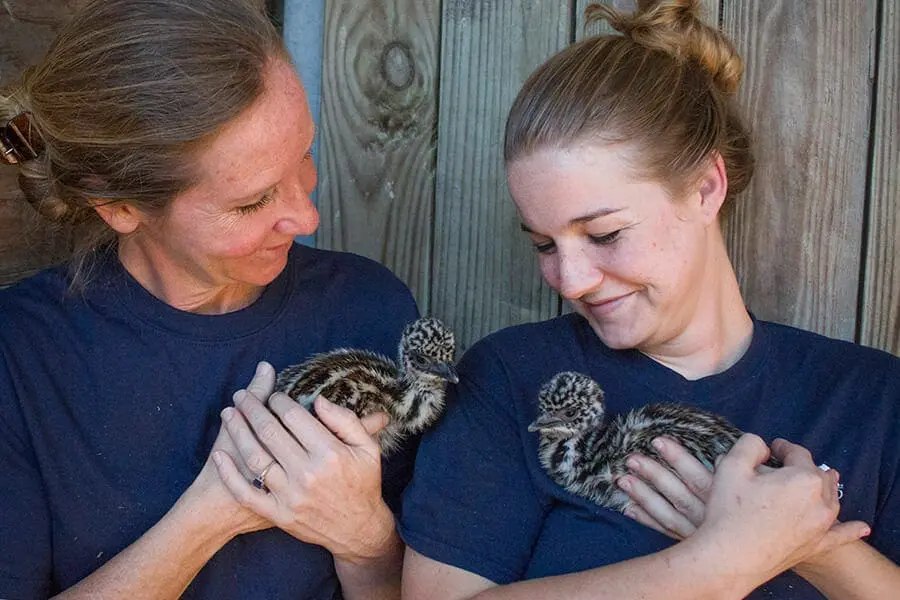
25,561
471,503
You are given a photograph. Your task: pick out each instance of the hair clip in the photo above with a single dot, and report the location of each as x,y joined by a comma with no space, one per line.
20,140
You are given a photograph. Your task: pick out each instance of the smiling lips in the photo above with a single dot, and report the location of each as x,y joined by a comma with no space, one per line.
604,307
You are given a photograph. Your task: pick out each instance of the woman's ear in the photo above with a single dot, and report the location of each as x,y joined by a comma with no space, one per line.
121,216
712,187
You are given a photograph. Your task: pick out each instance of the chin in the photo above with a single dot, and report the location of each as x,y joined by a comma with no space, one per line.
264,273
616,336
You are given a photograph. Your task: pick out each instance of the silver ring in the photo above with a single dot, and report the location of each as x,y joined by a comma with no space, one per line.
840,486
259,482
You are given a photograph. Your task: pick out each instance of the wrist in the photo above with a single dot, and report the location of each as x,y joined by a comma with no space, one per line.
824,564
732,575
373,571
377,540
204,520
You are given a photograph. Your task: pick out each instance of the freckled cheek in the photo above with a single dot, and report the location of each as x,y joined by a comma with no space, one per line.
240,241
550,270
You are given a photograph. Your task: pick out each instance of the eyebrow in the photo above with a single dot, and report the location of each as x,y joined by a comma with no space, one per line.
603,212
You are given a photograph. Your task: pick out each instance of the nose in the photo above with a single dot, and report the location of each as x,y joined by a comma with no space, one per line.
578,276
299,216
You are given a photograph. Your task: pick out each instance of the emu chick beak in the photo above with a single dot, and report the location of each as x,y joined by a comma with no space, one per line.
446,371
547,421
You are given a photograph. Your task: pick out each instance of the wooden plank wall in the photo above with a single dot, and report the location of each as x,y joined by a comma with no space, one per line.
880,322
379,116
485,275
796,237
813,241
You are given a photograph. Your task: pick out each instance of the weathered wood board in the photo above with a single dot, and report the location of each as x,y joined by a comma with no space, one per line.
880,308
796,235
485,275
379,114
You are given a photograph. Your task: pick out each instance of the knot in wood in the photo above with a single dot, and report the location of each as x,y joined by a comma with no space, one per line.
397,66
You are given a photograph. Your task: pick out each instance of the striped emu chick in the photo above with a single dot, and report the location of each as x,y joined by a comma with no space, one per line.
410,390
585,452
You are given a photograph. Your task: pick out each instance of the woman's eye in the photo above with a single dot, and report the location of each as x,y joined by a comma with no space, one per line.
252,208
605,240
545,247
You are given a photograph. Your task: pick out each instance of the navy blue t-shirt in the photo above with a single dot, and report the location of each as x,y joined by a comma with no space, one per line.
110,402
480,500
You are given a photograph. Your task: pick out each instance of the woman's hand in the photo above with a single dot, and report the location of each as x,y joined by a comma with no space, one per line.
674,505
786,515
323,488
208,490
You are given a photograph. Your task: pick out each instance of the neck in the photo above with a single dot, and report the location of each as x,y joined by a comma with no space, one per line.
421,402
179,286
564,458
718,330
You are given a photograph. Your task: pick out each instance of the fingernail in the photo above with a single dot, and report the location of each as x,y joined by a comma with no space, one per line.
659,444
866,531
228,414
624,483
238,396
217,457
628,513
260,367
324,403
633,463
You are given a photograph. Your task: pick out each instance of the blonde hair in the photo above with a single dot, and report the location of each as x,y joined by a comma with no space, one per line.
125,98
664,89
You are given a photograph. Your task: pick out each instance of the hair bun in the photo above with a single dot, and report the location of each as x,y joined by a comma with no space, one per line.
675,27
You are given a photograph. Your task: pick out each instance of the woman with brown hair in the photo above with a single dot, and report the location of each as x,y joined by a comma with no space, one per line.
174,136
622,151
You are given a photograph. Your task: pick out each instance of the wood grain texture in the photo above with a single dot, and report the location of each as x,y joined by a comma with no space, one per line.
795,236
710,14
485,273
27,242
377,153
880,318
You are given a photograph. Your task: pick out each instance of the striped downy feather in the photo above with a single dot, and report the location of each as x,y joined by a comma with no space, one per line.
410,390
585,453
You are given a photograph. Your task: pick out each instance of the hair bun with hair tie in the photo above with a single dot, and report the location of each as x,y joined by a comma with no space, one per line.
676,28
20,140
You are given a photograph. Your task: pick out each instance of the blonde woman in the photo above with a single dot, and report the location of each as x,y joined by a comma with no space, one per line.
622,152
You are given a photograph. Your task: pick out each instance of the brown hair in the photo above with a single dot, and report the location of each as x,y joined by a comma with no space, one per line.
126,96
665,90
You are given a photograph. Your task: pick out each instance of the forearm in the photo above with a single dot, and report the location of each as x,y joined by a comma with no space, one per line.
159,565
376,576
855,571
683,572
